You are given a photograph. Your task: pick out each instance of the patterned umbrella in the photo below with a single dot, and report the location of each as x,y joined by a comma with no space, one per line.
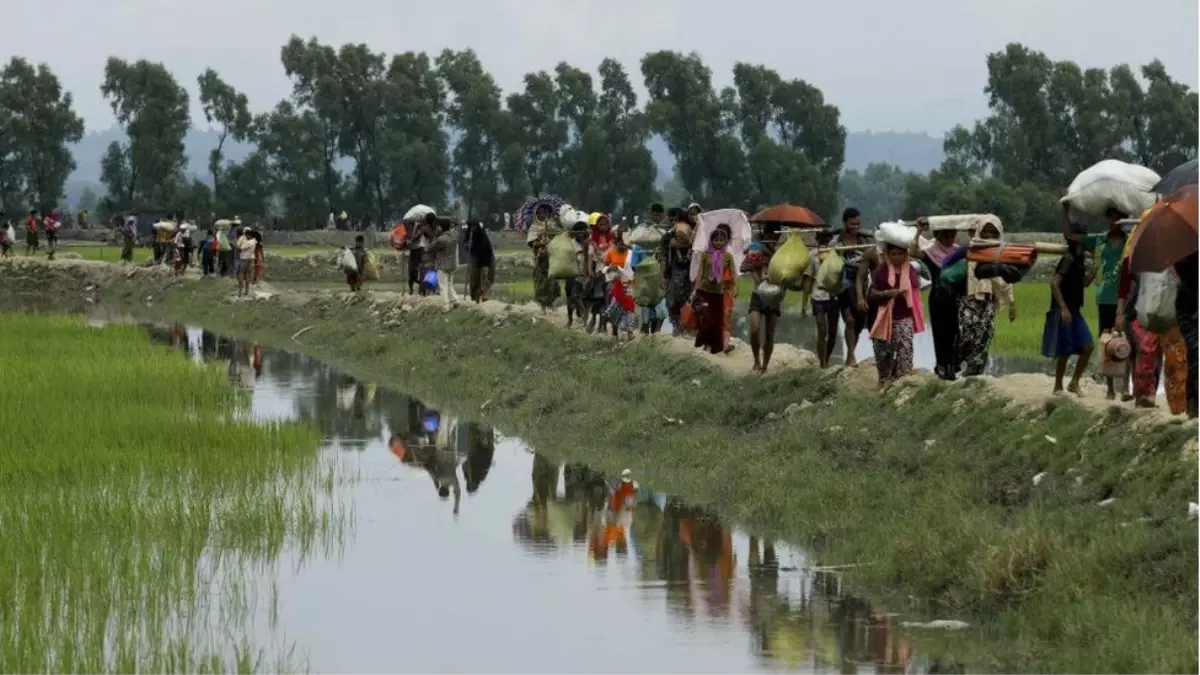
522,217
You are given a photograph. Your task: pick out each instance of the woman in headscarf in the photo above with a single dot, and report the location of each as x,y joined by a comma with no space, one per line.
943,299
977,311
596,292
714,282
676,257
545,290
482,270
896,288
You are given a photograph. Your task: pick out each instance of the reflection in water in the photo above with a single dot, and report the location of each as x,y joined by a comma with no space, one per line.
610,557
798,618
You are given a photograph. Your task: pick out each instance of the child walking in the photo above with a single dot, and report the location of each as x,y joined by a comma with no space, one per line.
1066,333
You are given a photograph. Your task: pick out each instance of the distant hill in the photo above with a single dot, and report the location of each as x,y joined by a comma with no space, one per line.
910,151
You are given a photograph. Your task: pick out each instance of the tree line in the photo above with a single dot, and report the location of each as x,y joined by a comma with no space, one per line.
373,134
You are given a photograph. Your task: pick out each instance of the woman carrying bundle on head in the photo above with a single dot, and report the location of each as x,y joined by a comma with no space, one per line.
896,287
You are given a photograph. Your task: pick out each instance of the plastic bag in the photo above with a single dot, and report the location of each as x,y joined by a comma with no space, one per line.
648,282
1129,188
430,281
371,268
830,273
896,234
347,261
956,274
770,295
789,262
562,257
646,236
1156,301
399,236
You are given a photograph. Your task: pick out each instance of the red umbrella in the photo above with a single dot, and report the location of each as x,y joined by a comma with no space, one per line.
1166,235
789,214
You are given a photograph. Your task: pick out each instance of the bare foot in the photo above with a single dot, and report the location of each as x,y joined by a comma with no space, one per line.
1126,398
1145,403
1074,389
756,368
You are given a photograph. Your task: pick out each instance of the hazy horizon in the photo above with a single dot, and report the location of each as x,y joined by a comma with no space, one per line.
917,66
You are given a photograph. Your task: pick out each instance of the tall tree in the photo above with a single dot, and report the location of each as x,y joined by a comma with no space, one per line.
540,132
152,109
879,192
415,162
629,185
228,108
1049,121
39,123
696,124
795,144
475,115
313,69
293,143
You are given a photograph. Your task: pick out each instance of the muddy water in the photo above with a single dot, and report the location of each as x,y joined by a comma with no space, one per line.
471,553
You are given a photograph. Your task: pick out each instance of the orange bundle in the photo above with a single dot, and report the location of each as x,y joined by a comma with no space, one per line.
399,236
1017,255
687,317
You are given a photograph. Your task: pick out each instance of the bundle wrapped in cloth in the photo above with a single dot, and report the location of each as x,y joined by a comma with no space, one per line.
1128,188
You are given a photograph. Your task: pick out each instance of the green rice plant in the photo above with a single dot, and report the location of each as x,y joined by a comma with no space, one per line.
138,503
1023,337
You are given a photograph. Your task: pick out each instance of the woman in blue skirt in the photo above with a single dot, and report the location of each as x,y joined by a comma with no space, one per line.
1066,333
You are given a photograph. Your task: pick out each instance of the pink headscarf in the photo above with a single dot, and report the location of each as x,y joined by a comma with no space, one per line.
717,255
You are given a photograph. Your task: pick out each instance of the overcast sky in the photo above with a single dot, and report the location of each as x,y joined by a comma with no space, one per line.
917,65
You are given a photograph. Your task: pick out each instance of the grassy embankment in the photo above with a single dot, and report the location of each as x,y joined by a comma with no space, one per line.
930,487
135,498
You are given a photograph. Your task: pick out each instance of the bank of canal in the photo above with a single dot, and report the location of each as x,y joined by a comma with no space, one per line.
1060,532
525,570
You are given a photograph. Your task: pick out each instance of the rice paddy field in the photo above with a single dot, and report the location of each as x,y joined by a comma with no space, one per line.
139,501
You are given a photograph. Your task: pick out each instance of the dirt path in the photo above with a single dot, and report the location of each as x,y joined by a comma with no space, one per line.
1022,390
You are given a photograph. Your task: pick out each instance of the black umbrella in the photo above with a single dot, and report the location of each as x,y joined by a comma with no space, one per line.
1179,177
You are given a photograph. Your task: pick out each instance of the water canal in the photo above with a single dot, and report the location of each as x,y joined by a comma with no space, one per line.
468,552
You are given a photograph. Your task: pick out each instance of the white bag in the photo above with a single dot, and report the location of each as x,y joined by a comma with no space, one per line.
347,261
10,234
1129,188
896,234
1156,301
646,236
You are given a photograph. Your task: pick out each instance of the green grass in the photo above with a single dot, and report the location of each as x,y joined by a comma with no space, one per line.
137,504
933,491
1023,337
